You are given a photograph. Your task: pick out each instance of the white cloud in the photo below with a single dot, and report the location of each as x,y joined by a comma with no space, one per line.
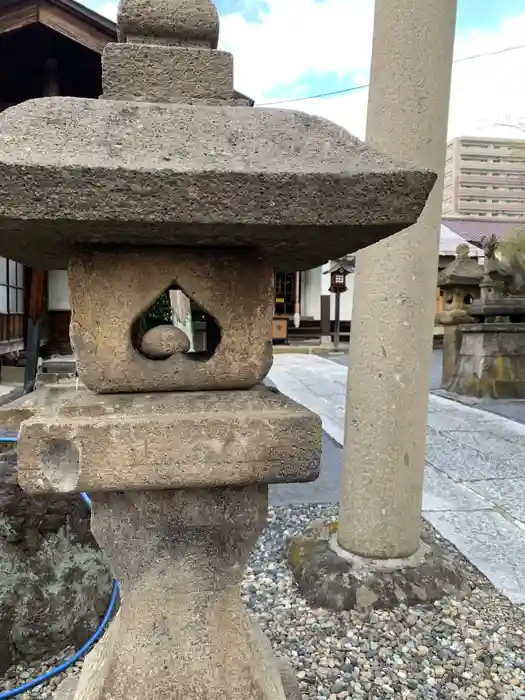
108,9
489,90
298,37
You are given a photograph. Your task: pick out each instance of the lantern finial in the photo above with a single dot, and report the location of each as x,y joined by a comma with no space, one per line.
462,251
173,22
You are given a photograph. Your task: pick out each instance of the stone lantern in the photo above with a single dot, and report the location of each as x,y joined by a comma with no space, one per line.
338,272
169,182
460,284
491,362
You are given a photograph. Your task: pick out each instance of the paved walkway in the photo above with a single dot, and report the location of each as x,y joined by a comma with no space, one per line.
9,392
475,471
513,409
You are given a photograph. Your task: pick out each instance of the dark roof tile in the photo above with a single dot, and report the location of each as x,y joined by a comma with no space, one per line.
477,230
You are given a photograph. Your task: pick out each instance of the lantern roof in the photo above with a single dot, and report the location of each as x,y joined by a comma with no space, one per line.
170,156
342,266
463,271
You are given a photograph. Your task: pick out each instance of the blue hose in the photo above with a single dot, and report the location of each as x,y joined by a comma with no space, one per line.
5,694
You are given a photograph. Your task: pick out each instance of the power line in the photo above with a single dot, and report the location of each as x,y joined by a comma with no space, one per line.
314,97
363,87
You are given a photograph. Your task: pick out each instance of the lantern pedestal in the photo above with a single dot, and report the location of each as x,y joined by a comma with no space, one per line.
158,469
182,631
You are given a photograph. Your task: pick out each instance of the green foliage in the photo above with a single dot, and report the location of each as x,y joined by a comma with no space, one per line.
512,250
158,314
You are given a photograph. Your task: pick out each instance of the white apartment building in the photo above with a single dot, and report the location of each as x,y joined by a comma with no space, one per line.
485,177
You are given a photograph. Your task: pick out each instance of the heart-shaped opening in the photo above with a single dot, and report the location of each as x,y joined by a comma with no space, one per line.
174,323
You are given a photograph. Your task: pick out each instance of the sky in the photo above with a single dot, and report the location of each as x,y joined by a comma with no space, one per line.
285,49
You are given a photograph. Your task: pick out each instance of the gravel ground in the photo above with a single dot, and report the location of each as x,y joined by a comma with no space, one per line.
452,649
17,675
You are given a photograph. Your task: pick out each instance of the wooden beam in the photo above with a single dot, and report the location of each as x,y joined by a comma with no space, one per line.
17,16
326,321
73,27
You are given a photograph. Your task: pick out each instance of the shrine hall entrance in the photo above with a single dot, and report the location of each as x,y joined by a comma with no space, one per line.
287,298
287,303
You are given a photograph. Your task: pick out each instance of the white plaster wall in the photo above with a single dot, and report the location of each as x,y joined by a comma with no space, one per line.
325,279
311,293
57,291
347,300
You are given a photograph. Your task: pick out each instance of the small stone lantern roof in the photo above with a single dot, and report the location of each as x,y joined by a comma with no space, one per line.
461,272
170,156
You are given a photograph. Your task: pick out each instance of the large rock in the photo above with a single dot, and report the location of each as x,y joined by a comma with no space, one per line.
329,577
54,583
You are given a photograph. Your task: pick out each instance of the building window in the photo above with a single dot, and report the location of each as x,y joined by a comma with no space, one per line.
11,287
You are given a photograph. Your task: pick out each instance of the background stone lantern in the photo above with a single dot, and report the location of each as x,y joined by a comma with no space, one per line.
167,182
491,360
338,273
460,284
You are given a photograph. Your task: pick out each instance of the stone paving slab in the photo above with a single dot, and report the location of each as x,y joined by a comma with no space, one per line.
507,494
465,463
475,474
441,494
507,408
492,543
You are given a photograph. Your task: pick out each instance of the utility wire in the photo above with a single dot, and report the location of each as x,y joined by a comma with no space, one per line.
363,87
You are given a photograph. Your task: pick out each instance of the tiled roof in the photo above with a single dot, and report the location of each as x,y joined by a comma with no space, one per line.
477,230
449,241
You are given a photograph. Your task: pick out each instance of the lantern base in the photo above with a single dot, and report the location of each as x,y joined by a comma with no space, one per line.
182,630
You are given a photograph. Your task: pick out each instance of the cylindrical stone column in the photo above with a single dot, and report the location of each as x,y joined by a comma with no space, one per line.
394,301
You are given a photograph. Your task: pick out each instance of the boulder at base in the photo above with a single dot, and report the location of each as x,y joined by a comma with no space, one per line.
55,585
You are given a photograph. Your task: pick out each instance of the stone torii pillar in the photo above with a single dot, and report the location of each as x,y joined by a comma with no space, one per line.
168,182
394,299
374,557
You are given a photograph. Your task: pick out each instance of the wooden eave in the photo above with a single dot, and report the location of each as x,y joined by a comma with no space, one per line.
66,17
69,18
